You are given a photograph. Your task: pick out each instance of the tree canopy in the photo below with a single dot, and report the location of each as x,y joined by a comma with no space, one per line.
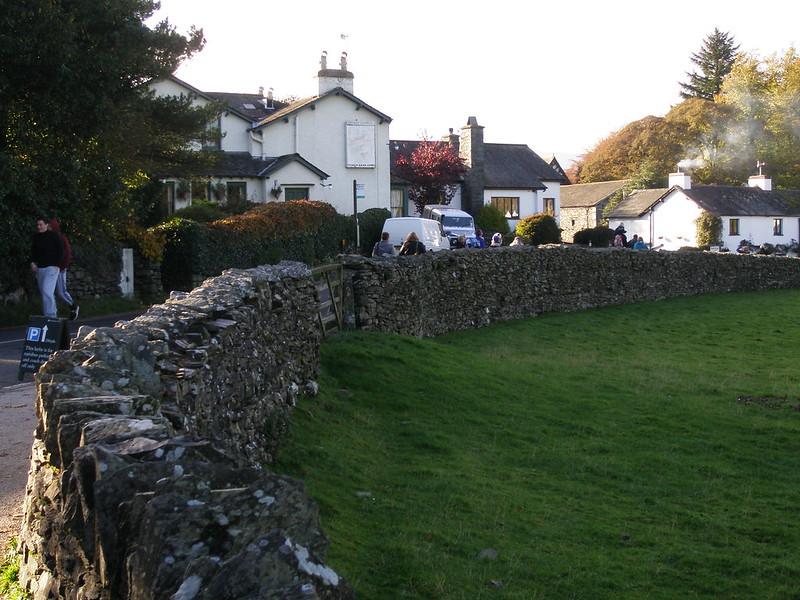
715,60
79,130
432,170
755,116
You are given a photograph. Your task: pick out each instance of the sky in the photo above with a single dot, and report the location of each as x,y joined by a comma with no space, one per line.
557,76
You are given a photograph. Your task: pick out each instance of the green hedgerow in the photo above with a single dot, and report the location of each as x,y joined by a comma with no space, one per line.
492,220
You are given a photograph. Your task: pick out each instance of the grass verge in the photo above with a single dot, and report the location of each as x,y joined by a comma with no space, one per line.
601,454
9,574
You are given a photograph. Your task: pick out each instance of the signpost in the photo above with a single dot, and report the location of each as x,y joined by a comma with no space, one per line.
43,337
359,193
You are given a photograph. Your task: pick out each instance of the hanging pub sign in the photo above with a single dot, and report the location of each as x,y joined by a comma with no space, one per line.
43,337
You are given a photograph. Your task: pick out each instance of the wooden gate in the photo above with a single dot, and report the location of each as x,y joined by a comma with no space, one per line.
329,281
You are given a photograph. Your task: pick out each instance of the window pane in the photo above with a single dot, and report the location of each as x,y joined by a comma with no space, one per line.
295,193
550,206
508,205
236,191
396,200
733,226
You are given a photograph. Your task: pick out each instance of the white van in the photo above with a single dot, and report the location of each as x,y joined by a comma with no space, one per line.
428,231
455,222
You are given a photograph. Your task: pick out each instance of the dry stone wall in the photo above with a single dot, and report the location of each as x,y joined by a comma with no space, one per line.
446,291
147,477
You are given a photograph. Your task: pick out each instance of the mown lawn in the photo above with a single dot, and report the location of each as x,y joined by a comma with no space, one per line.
601,454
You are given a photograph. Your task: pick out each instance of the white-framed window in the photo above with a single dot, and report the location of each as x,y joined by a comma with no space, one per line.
396,200
550,206
295,193
733,227
777,226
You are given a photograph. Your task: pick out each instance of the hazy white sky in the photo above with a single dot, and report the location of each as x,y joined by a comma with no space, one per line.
557,76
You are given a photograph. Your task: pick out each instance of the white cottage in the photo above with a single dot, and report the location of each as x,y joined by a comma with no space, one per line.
666,217
313,148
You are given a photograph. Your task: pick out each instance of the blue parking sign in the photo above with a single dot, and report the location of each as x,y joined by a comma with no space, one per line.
34,333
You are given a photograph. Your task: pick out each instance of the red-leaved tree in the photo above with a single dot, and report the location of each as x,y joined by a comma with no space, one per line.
433,170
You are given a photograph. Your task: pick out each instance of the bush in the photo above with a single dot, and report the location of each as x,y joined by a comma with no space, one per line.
709,229
202,211
301,230
599,236
540,228
371,224
492,220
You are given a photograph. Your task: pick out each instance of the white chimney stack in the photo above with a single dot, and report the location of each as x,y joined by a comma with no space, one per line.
683,180
760,180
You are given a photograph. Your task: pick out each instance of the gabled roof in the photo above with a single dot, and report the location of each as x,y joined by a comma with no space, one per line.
638,202
210,97
553,162
589,194
717,199
739,201
254,106
515,166
310,101
242,164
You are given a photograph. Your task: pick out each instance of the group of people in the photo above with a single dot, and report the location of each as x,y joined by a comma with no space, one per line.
51,256
412,245
621,240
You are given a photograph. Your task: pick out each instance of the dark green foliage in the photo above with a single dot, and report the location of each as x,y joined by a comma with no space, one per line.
709,229
301,230
715,60
492,220
599,237
540,228
80,130
371,224
202,211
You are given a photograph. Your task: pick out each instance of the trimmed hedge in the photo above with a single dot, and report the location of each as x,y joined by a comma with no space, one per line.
301,230
540,228
492,220
370,222
599,236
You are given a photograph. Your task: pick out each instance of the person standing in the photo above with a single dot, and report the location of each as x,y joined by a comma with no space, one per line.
479,241
66,260
412,246
46,254
383,247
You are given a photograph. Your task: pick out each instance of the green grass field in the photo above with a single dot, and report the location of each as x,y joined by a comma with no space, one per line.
601,454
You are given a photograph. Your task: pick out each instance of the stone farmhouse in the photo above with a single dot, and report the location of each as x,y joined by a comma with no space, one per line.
511,177
312,148
665,218
582,205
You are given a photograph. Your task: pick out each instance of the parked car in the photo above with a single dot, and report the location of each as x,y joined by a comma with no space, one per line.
454,222
428,231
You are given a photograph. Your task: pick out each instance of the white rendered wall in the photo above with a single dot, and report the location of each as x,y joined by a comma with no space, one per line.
759,230
674,222
640,227
319,136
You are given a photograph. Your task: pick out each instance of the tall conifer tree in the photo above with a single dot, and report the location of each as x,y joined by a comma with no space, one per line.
715,60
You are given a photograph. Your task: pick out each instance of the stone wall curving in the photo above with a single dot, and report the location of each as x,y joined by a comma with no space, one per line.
147,479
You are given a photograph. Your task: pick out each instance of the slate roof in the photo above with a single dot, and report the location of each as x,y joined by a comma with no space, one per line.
251,106
311,100
637,203
515,166
589,194
718,200
242,164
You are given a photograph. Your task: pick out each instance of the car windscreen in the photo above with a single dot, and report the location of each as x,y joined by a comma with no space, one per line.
457,221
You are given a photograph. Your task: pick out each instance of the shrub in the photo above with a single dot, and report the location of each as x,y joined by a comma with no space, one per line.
371,224
540,228
596,236
201,211
301,230
491,219
709,229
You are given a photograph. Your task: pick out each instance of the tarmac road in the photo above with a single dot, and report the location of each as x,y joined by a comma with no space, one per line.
12,340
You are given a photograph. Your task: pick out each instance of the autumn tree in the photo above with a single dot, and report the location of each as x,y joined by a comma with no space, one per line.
433,171
715,60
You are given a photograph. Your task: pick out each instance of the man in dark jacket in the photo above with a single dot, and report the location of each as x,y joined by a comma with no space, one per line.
46,254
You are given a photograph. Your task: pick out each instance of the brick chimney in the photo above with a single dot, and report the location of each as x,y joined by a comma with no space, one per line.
330,79
472,152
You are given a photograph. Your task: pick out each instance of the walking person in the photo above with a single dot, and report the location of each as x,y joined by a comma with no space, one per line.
66,260
46,254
